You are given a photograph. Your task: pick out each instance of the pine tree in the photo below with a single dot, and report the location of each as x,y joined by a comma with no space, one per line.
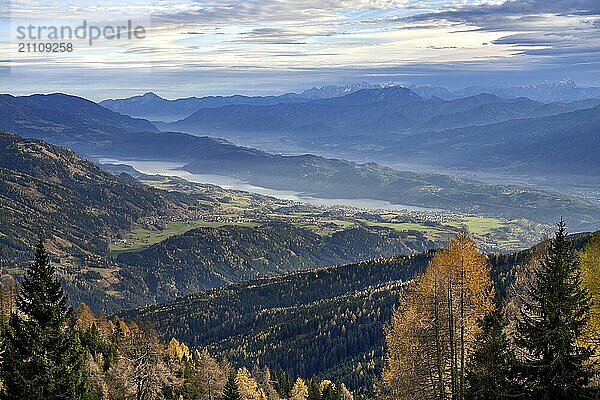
314,391
231,391
47,360
283,383
330,391
491,371
550,324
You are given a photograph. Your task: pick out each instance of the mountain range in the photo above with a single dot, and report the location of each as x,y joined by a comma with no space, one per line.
390,110
155,108
101,132
546,91
396,124
564,90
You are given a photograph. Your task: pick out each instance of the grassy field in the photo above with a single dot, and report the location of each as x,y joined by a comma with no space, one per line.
141,238
478,225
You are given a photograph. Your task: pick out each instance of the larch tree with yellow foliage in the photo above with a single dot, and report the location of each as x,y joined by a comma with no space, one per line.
432,331
299,390
590,277
248,387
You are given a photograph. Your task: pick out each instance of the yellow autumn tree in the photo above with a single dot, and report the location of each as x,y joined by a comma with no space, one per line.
346,394
432,332
248,387
85,317
590,277
208,377
178,350
299,390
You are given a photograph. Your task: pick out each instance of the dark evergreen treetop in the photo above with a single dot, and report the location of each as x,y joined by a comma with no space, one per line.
491,369
555,312
42,298
231,391
47,360
314,391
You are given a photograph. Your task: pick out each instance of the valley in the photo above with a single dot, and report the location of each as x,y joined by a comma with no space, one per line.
240,208
300,200
293,260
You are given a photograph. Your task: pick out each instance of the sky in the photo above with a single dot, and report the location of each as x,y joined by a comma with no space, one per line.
223,47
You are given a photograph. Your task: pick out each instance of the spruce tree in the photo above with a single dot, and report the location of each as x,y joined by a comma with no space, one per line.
231,391
45,359
491,370
551,322
283,383
314,391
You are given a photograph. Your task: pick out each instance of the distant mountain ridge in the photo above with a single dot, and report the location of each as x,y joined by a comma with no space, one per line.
546,91
389,110
325,177
329,91
555,143
563,90
154,107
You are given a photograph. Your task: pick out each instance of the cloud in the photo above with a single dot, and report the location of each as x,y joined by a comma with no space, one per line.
486,13
278,43
266,11
562,28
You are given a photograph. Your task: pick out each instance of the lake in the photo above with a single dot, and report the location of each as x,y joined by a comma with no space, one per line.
167,168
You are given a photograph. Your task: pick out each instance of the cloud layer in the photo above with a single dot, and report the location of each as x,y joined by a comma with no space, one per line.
196,47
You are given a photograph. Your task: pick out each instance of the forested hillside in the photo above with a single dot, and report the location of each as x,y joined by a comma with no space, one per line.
204,258
326,322
50,351
51,192
321,322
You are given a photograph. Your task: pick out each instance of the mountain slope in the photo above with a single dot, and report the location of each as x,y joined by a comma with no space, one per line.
63,118
326,322
51,192
565,142
208,257
48,192
314,322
